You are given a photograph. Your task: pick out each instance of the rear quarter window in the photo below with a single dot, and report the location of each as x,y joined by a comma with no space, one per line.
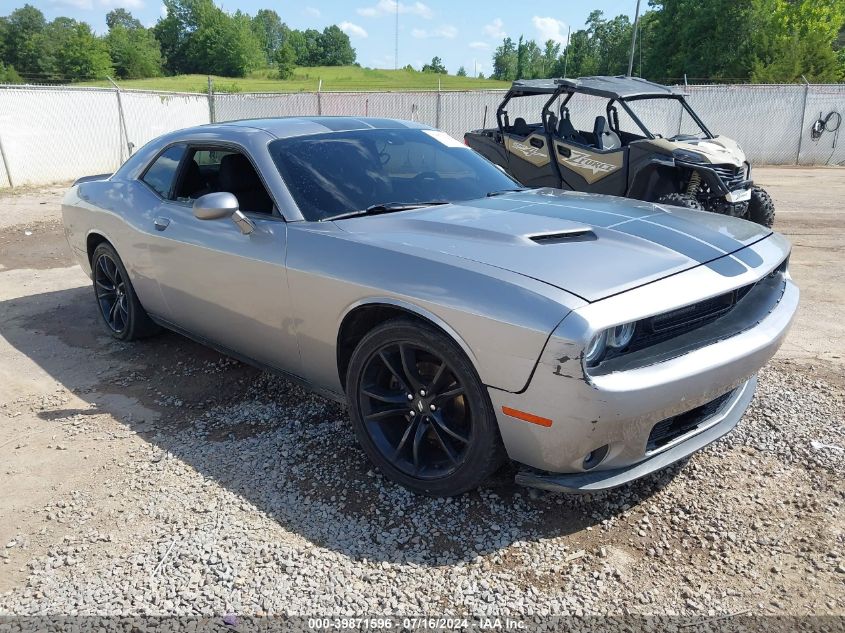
162,172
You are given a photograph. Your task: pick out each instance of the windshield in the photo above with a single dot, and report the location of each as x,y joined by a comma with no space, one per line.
339,172
664,118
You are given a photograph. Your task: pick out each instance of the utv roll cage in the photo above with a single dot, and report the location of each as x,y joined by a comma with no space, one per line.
619,90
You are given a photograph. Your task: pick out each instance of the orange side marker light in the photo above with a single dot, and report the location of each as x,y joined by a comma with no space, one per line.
526,417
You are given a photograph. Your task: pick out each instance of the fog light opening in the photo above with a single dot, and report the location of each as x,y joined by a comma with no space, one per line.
595,457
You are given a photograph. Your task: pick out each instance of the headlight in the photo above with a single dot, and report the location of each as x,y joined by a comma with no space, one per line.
688,156
619,336
616,338
594,351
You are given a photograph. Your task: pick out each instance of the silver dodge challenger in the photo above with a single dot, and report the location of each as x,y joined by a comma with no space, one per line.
466,321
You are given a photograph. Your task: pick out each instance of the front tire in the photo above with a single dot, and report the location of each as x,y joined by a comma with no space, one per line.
761,207
680,200
419,410
117,303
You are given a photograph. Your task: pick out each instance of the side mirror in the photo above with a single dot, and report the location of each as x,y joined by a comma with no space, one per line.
214,206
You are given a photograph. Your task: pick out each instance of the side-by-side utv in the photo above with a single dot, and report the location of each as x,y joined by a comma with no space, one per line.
622,136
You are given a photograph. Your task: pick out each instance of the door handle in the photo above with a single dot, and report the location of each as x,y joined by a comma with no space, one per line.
564,151
536,143
161,223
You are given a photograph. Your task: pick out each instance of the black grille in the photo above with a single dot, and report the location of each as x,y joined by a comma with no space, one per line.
672,428
731,175
662,327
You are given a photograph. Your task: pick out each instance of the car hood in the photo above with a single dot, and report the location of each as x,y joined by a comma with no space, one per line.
592,246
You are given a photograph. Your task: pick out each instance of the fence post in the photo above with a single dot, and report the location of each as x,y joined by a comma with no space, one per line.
319,97
122,120
6,164
212,115
437,110
803,117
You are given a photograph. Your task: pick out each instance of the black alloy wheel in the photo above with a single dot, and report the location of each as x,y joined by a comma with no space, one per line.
110,289
122,313
420,411
415,410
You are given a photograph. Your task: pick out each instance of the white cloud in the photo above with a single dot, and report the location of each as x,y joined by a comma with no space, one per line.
311,12
495,29
163,11
75,4
352,29
126,4
482,46
445,31
550,29
388,7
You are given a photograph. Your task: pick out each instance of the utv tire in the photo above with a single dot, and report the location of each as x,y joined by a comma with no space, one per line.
117,303
761,208
420,411
680,200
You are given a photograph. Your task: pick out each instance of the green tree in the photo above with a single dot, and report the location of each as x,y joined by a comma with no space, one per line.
270,31
504,61
134,50
71,51
23,43
285,61
336,48
122,17
462,72
197,36
436,66
8,75
797,38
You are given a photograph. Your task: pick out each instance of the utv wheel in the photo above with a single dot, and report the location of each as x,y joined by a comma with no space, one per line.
118,305
680,200
761,208
420,411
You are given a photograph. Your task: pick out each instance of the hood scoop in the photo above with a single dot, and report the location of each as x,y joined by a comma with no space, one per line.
581,234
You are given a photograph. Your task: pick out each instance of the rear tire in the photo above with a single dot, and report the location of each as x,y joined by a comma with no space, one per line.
761,208
420,411
117,303
680,200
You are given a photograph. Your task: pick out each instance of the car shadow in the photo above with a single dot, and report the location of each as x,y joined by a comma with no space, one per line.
289,453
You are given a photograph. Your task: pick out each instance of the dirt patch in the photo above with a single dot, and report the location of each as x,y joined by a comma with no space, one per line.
37,246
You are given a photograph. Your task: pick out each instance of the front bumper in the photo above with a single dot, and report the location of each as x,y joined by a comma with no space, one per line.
708,429
611,414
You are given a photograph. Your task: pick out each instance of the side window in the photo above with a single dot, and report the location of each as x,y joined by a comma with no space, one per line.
161,173
209,170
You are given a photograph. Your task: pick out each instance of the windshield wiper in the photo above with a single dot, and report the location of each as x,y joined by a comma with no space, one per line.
385,207
491,194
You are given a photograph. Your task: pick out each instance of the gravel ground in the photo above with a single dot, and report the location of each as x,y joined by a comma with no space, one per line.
163,478
266,505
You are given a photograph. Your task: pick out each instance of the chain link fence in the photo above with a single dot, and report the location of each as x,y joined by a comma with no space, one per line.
50,134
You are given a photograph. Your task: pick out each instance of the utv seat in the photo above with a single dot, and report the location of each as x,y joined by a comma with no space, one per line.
521,128
606,139
567,132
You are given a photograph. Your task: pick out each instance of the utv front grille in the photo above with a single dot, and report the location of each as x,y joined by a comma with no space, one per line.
679,425
732,176
662,327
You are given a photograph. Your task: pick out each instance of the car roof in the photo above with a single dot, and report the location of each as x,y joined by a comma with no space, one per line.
620,87
286,127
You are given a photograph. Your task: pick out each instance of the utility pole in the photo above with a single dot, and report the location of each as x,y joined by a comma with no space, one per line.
634,39
396,49
566,50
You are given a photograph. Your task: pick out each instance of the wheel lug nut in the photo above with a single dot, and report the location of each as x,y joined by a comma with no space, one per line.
433,408
422,392
410,396
413,413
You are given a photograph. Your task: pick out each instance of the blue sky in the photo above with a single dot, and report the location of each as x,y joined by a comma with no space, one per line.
461,32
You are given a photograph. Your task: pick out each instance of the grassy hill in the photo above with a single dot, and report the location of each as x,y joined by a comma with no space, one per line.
306,79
